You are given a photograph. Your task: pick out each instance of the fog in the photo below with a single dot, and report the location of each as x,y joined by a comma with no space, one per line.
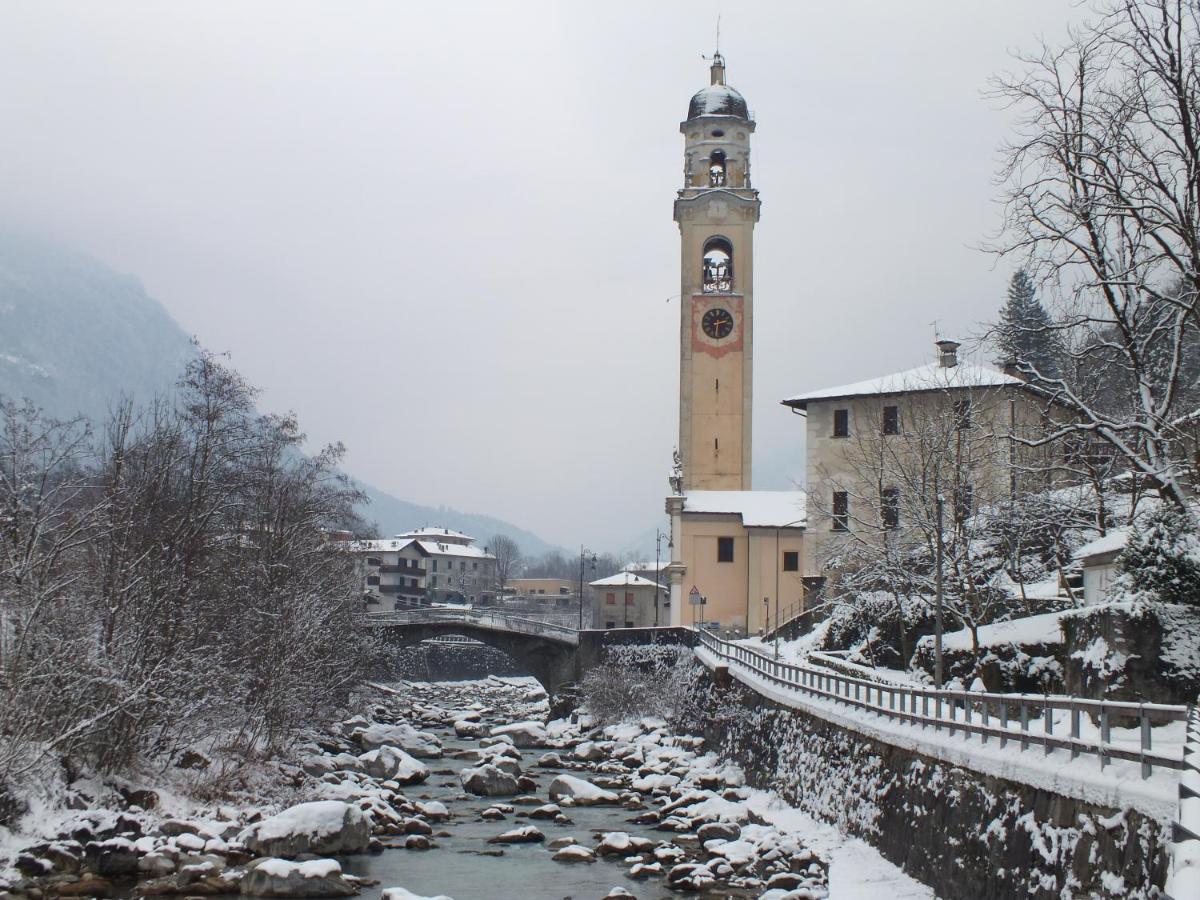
442,234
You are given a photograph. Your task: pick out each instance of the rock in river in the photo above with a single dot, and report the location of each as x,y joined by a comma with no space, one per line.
320,827
281,878
581,792
488,781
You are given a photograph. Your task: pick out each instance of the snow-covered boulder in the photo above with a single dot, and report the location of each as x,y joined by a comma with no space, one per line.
580,791
421,744
282,878
523,734
488,781
527,834
589,751
574,853
399,893
393,764
320,827
620,843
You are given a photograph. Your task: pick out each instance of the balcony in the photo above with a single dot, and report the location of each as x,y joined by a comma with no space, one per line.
401,590
401,569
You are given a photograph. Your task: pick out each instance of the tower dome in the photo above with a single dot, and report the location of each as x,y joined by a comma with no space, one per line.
718,99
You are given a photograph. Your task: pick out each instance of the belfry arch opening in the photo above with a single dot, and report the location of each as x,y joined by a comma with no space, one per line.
716,169
718,266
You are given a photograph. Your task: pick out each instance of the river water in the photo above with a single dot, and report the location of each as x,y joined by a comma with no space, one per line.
465,867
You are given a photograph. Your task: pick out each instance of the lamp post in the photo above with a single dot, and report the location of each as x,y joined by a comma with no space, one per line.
658,536
583,554
778,566
937,592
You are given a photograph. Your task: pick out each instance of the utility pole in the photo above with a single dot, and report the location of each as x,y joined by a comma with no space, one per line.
937,590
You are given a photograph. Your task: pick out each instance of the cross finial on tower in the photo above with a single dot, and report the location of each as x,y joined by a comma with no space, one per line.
718,61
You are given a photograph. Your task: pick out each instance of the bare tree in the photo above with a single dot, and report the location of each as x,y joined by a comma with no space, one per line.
508,558
1103,199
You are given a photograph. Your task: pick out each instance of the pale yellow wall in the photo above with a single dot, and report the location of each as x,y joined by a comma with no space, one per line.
715,426
548,586
995,412
734,590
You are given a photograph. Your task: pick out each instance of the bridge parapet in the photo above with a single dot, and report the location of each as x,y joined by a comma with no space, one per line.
489,619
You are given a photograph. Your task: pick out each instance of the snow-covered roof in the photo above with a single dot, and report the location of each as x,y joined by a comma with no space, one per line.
758,509
1113,542
434,548
929,377
648,566
382,545
446,535
625,579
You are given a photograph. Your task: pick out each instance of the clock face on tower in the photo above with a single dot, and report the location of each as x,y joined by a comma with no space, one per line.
717,323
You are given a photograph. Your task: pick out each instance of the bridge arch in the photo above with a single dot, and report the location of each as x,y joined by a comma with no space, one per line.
552,661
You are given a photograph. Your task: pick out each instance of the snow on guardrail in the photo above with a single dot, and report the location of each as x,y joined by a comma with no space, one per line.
1183,882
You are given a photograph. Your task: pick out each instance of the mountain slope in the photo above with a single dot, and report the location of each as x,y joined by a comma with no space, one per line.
75,336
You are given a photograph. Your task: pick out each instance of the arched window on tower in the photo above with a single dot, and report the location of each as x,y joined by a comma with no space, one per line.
718,266
716,169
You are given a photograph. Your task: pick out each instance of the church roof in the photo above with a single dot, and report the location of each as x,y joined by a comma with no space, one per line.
718,100
758,509
929,377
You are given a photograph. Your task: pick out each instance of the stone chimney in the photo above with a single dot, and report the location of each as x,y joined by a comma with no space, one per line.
948,353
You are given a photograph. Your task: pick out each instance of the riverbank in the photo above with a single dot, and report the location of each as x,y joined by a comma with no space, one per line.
463,789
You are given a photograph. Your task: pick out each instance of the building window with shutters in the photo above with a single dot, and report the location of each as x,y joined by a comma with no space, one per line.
889,507
791,561
841,423
841,511
962,414
724,549
610,599
891,420
629,598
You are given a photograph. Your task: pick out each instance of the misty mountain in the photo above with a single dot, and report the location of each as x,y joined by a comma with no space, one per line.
75,336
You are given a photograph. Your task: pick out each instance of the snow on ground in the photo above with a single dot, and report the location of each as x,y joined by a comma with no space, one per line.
857,871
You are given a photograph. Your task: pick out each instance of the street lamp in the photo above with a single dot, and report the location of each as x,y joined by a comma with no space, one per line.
778,566
583,554
658,536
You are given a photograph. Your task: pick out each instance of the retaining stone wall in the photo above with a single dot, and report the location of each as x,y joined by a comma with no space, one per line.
964,834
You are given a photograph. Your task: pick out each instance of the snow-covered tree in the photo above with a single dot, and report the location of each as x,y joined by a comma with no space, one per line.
1026,335
1102,203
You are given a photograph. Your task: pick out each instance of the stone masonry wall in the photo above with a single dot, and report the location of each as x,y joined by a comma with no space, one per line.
964,834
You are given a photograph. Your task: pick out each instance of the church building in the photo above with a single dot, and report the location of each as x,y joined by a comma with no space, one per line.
739,550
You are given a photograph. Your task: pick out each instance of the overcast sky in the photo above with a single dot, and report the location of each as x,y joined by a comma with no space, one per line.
442,233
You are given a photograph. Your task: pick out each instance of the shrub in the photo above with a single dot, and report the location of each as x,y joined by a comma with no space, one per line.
1162,559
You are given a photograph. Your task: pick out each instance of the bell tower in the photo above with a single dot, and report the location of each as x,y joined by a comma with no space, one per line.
716,210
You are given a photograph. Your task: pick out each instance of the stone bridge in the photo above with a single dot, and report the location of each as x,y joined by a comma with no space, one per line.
552,652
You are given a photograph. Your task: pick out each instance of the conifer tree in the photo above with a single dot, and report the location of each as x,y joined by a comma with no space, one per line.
1025,333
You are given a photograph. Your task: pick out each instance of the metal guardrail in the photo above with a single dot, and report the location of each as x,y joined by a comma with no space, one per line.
1005,717
1183,881
492,619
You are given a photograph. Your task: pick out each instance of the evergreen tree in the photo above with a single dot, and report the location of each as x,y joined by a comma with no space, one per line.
1025,334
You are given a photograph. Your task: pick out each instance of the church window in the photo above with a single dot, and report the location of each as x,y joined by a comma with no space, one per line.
725,549
891,420
841,511
717,132
791,561
841,423
718,266
716,169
